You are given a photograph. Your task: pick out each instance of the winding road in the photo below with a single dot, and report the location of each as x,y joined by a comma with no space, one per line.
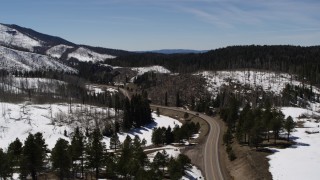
211,148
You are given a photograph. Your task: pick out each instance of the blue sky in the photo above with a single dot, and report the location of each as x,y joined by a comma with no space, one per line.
170,24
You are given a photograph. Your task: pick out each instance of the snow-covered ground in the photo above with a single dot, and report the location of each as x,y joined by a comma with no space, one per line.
13,60
57,51
18,120
97,89
157,69
84,54
269,81
20,84
172,151
12,37
146,132
300,161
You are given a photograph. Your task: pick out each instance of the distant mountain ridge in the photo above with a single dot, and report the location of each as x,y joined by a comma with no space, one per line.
175,51
19,46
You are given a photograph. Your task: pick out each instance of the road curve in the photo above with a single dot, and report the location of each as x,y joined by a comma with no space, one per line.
211,149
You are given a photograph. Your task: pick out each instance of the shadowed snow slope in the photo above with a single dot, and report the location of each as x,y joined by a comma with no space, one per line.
83,54
13,60
12,37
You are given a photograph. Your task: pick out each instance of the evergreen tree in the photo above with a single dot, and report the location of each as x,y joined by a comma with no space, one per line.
95,151
127,116
169,136
114,141
77,150
158,112
61,159
33,155
166,99
15,151
276,124
289,126
6,165
178,103
126,157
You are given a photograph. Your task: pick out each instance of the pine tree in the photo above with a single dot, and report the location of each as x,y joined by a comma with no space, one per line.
127,116
178,103
61,159
289,126
114,141
77,150
33,155
6,165
166,99
95,152
158,112
15,151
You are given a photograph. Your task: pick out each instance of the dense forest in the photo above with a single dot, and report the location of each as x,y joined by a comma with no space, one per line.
303,61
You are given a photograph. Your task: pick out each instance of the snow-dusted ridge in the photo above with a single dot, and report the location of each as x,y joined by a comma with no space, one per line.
157,69
57,51
84,54
268,81
13,60
12,37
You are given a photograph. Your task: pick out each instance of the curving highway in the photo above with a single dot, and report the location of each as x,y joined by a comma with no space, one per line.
211,148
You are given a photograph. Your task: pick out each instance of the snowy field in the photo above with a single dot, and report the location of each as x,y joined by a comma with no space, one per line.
20,84
268,81
172,151
84,54
18,120
300,161
97,89
157,69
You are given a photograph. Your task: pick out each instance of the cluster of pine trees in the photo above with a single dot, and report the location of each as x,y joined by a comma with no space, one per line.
253,126
136,112
87,157
167,135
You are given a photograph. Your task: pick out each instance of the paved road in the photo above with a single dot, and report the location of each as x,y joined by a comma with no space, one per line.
211,149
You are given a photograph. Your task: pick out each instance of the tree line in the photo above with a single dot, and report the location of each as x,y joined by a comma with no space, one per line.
302,61
177,134
87,157
253,126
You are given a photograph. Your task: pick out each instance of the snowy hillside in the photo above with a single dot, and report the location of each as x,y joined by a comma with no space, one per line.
57,51
19,85
18,120
13,60
300,161
83,54
12,37
157,69
268,81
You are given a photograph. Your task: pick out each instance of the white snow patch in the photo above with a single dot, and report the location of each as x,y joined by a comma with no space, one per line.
192,174
157,69
146,132
13,60
268,81
302,160
84,54
57,51
12,37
